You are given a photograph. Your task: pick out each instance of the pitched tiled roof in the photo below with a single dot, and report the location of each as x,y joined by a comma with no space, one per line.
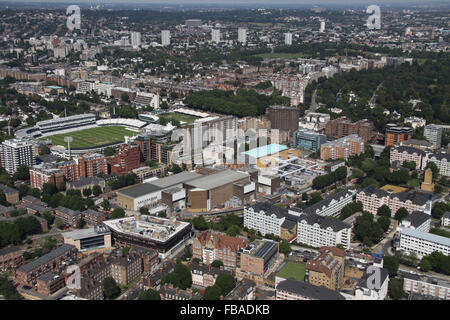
221,241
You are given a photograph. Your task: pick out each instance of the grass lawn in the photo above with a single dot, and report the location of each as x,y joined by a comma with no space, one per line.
179,116
92,137
293,270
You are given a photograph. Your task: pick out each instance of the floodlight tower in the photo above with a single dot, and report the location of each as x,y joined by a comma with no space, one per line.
68,140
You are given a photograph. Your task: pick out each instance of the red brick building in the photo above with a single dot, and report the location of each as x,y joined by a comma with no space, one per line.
126,159
209,246
45,174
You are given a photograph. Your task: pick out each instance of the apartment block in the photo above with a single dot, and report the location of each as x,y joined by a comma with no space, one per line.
343,126
402,153
425,285
319,231
433,133
15,153
342,148
327,270
43,173
395,135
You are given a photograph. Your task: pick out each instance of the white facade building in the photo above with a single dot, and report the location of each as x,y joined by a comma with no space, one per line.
135,39
421,243
442,161
165,37
15,153
215,35
288,38
319,231
242,35
433,134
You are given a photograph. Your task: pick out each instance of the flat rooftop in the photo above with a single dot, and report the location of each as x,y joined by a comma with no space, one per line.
217,179
147,227
175,179
83,234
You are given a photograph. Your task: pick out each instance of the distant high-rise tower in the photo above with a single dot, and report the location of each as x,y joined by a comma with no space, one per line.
135,39
165,37
322,26
288,38
433,134
242,35
215,35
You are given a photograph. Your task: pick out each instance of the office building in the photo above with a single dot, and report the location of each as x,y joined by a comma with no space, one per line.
97,238
309,140
16,153
165,37
433,133
319,231
322,26
149,232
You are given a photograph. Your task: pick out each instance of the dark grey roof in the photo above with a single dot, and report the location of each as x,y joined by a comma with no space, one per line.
409,150
372,190
308,290
326,202
362,283
139,190
205,269
446,215
415,197
46,258
8,250
440,156
417,218
181,294
49,276
270,209
84,181
324,222
68,211
241,290
8,190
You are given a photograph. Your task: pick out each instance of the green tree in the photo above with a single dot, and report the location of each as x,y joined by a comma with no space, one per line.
401,214
212,293
149,294
110,288
391,263
117,213
434,169
384,210
96,190
80,223
395,289
217,264
87,192
384,222
226,282
59,223
285,247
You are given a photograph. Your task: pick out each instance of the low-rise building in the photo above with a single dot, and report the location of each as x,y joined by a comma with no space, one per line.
50,262
445,220
11,257
327,269
204,275
11,194
257,257
417,221
97,238
209,246
291,289
425,285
